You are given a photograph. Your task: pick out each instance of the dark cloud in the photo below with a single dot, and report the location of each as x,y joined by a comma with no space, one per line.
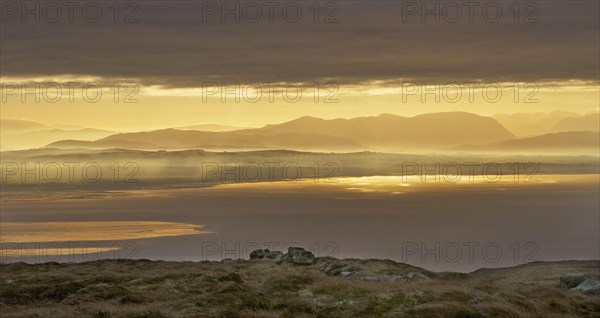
172,46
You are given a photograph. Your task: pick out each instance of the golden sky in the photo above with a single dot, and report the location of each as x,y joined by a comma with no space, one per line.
156,108
175,53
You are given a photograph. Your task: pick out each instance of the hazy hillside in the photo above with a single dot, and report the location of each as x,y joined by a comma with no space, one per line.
102,144
565,141
391,132
177,139
531,124
589,122
15,126
40,138
428,132
384,133
211,127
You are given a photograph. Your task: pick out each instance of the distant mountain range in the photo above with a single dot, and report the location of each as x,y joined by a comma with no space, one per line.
534,124
210,127
16,126
189,139
573,141
450,131
393,133
24,134
589,122
385,133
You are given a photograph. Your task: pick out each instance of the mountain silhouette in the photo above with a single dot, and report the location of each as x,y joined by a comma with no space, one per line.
392,132
385,132
589,122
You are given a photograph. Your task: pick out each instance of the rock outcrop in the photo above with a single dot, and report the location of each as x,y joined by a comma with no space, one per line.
572,280
295,255
589,286
266,254
581,282
340,268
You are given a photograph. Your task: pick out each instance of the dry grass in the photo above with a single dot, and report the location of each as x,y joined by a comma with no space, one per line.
263,289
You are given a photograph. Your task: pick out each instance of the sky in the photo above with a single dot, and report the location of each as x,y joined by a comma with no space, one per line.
186,62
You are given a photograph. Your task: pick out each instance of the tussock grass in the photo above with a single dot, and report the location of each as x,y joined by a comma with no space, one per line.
145,289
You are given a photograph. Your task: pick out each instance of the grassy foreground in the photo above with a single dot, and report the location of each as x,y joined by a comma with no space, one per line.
141,288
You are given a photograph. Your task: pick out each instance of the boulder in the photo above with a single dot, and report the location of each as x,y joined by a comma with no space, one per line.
266,254
296,251
274,255
340,268
259,254
300,256
279,258
572,280
589,286
296,255
301,260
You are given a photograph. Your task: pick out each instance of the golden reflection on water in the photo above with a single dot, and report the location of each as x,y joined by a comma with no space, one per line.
403,184
23,232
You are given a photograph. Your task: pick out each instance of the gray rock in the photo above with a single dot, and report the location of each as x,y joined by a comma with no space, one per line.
589,286
259,254
353,275
416,276
266,255
300,256
302,260
340,268
332,268
572,280
283,258
295,255
279,258
297,251
274,255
